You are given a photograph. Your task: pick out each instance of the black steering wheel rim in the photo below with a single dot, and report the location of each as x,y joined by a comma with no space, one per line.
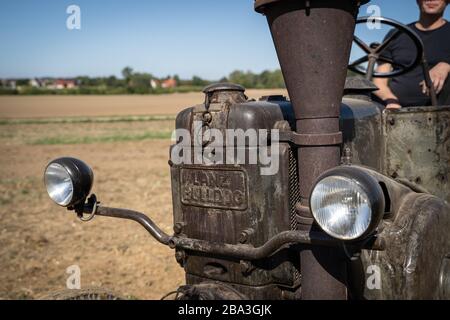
376,53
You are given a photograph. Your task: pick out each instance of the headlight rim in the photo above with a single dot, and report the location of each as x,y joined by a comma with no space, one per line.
372,188
81,176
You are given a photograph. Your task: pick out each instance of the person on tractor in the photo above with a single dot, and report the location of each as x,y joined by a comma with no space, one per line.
410,89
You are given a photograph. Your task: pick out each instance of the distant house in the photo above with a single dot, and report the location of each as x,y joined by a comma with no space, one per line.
36,83
60,84
169,83
154,83
11,84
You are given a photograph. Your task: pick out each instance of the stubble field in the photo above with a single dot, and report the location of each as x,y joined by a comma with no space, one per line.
126,141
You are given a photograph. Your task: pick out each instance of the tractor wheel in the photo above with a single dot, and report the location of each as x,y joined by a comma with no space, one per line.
82,294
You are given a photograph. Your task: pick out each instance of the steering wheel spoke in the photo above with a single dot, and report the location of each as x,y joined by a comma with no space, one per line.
359,61
391,62
362,44
387,42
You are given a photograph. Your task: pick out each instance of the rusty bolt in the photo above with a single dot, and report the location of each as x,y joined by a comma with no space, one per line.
172,244
207,117
178,227
246,267
245,235
180,256
347,156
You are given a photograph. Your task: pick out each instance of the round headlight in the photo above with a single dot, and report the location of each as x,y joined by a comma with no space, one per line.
347,206
59,184
68,181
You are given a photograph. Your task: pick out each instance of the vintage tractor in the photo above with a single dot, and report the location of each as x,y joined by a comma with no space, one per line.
358,206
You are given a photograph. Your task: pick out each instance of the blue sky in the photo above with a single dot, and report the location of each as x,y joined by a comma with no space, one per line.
209,38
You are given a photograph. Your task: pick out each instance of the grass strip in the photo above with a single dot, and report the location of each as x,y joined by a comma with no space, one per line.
86,120
155,135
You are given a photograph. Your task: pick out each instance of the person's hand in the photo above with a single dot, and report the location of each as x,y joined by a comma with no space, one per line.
438,75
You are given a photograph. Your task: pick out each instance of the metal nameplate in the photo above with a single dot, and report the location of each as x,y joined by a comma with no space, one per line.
214,188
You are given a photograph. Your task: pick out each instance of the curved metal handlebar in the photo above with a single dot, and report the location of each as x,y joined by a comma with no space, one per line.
140,218
237,251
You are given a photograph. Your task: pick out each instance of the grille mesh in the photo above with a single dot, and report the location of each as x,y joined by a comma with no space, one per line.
294,190
294,197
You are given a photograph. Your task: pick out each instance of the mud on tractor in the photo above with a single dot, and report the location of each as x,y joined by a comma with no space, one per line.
356,186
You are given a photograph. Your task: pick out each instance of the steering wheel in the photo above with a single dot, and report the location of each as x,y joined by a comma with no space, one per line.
373,52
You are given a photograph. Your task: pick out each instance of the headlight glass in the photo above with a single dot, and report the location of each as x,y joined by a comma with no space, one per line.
341,207
59,184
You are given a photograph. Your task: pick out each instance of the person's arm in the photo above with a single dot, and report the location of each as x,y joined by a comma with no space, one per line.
438,74
385,93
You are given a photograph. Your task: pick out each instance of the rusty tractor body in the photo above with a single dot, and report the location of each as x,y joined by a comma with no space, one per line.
240,234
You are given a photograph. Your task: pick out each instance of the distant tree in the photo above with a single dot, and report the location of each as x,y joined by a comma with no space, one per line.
113,82
246,79
140,82
83,80
197,81
266,79
127,72
272,79
22,82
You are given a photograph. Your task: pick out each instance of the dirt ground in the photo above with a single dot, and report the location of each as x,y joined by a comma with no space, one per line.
75,106
39,240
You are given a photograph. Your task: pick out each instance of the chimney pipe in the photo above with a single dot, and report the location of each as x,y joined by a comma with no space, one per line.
313,40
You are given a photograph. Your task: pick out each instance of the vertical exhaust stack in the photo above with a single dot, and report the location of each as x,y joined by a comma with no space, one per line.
313,40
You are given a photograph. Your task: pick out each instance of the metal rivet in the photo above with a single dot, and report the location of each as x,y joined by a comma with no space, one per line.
246,267
207,117
180,257
178,227
244,236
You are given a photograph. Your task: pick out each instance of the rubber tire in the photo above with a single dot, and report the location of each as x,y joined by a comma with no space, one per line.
82,294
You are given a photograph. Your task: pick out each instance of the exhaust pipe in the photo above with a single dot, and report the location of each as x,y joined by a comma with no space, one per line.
313,40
